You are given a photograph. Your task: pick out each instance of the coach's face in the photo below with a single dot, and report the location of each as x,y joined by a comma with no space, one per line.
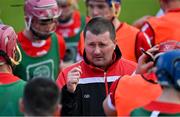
99,49
99,8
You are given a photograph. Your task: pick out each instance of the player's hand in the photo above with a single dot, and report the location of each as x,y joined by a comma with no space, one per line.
144,65
73,78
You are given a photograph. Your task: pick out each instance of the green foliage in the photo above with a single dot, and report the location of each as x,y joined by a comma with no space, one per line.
11,13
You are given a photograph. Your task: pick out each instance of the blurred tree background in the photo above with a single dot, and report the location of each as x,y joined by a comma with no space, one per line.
11,11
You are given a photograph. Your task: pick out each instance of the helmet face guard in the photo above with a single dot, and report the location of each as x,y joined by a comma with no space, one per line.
40,35
9,51
168,69
43,35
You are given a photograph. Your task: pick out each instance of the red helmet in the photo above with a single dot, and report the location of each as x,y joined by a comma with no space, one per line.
163,48
40,9
8,44
169,45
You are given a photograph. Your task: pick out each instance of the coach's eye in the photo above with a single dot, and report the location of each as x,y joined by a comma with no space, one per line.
102,45
101,6
92,45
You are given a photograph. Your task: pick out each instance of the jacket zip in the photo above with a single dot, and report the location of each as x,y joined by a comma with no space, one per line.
106,84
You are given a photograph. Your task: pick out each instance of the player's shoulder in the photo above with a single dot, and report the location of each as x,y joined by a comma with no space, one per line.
128,26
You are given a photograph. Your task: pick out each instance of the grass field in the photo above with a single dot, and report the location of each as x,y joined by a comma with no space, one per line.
11,11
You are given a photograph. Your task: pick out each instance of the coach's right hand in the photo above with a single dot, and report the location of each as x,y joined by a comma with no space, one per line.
73,78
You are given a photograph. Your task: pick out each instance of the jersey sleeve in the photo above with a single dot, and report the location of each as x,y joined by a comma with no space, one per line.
144,39
149,33
62,46
111,99
61,80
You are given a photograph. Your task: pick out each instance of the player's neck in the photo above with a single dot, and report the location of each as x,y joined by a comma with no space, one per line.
5,69
28,34
173,5
116,23
170,95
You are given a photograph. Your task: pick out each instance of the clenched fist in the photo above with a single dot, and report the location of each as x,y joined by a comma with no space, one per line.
73,78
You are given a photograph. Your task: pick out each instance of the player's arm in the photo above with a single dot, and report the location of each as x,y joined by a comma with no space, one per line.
128,87
144,39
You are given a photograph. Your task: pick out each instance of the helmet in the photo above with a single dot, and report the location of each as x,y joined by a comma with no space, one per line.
168,68
8,45
42,9
114,4
169,45
166,46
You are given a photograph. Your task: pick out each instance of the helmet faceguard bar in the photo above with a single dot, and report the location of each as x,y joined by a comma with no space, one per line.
45,6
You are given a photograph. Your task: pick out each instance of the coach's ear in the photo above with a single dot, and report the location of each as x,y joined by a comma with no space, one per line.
21,105
57,111
115,43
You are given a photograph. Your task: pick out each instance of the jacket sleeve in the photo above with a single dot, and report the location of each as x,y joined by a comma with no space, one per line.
71,103
61,80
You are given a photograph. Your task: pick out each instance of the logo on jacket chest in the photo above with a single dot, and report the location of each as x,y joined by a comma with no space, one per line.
86,96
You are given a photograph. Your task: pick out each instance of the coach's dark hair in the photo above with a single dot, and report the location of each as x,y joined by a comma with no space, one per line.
41,97
100,25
